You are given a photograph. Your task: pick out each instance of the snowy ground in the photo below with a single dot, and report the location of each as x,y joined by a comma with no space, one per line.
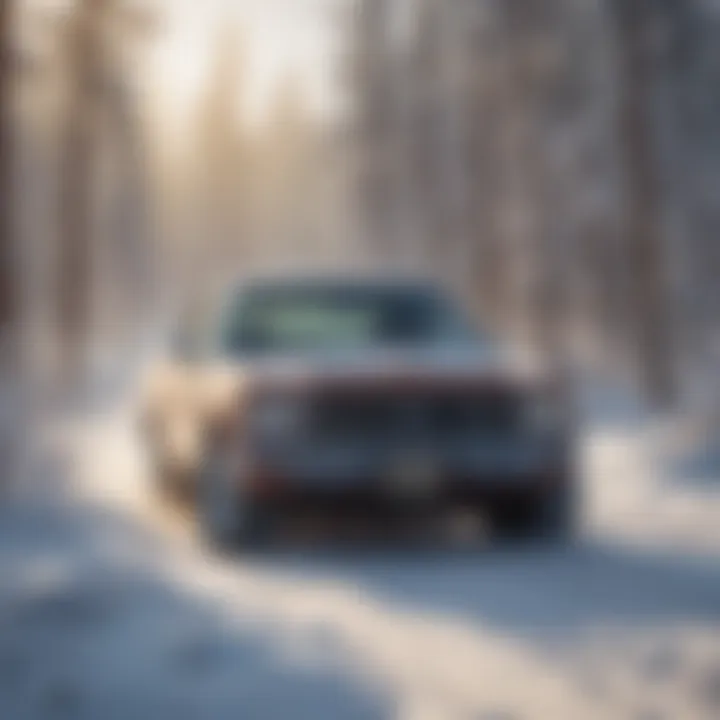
109,609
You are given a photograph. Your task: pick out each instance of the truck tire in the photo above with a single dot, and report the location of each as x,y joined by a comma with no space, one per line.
228,521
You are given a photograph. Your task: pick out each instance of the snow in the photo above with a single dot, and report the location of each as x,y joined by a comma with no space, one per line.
109,607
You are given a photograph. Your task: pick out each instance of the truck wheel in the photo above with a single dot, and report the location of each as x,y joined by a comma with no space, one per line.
556,518
551,519
227,520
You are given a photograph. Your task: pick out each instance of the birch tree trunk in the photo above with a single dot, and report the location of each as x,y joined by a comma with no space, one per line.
11,433
8,280
646,251
76,199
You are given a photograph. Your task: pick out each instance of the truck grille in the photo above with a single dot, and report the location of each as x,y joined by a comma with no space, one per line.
418,416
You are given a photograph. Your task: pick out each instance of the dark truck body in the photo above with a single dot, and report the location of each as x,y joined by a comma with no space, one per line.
375,432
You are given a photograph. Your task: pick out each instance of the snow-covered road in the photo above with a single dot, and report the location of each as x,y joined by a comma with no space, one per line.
109,608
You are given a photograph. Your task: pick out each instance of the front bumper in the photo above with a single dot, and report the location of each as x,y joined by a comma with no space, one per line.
402,482
373,498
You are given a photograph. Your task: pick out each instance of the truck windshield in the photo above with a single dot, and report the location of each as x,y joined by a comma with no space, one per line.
285,319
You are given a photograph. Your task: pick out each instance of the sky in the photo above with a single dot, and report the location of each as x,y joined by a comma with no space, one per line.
281,38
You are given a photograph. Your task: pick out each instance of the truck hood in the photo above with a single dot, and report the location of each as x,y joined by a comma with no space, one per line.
450,362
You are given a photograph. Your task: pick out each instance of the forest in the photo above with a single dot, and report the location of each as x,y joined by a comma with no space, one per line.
555,161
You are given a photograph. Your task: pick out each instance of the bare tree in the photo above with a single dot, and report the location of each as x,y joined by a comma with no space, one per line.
634,28
8,279
132,247
85,54
97,100
220,154
533,299
373,86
